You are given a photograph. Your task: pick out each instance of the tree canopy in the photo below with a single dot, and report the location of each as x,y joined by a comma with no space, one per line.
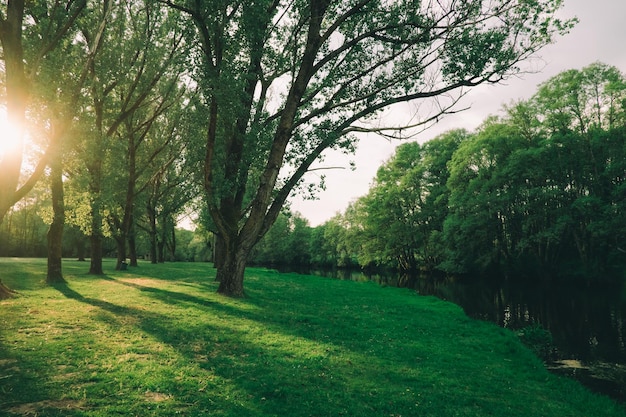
283,82
260,91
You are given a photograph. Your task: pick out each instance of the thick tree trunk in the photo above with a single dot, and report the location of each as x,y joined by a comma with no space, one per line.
16,91
55,233
230,274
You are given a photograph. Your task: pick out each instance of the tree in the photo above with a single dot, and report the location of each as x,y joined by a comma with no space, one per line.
141,101
29,32
479,230
337,66
537,192
132,82
22,56
402,216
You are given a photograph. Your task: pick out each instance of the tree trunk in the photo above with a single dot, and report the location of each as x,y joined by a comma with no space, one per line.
230,274
132,249
121,251
153,236
95,266
55,233
16,97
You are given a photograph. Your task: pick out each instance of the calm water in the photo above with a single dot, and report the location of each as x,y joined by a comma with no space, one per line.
587,326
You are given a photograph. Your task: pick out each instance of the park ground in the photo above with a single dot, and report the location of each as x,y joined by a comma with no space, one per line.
157,340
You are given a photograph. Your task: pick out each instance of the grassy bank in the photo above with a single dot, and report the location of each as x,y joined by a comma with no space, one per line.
158,341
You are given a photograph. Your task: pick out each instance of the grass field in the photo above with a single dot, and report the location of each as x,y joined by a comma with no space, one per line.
158,341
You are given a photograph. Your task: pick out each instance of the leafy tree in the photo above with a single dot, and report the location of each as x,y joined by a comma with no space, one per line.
29,32
333,67
23,231
200,247
132,82
479,229
403,214
537,192
286,243
142,100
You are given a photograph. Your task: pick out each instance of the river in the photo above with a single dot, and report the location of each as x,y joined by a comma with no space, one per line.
588,326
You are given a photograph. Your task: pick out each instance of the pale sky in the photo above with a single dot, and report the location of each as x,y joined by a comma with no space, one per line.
600,36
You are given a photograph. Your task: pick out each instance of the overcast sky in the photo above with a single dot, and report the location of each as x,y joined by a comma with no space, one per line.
599,36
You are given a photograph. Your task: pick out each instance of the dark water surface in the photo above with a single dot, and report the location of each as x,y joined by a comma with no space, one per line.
588,326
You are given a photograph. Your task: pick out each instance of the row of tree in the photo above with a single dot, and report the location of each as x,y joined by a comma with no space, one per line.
133,108
540,192
96,95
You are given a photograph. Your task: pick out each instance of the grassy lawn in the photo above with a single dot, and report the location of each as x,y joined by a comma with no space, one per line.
158,341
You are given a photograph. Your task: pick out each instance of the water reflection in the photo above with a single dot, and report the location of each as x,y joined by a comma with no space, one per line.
587,325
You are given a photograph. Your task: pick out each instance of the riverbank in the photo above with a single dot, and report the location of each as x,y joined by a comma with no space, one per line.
157,340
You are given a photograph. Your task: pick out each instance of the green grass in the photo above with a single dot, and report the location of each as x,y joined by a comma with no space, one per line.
158,341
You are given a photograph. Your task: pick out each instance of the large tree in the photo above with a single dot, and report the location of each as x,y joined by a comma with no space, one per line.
29,31
285,81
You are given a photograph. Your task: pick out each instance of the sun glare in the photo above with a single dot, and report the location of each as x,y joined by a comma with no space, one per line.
9,136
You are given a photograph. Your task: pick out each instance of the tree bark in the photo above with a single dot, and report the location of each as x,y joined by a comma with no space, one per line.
153,234
95,266
55,233
16,87
231,273
132,244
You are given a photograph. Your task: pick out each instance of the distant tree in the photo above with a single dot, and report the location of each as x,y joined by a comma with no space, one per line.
286,243
275,246
539,191
335,66
23,232
299,239
478,229
402,216
201,246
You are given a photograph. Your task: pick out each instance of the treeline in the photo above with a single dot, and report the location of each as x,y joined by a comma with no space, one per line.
539,192
23,234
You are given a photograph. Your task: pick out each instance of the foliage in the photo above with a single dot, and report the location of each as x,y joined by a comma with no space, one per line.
153,341
528,193
539,340
284,82
536,197
286,243
402,216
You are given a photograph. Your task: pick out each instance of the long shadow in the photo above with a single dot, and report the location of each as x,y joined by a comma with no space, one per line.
18,384
200,343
